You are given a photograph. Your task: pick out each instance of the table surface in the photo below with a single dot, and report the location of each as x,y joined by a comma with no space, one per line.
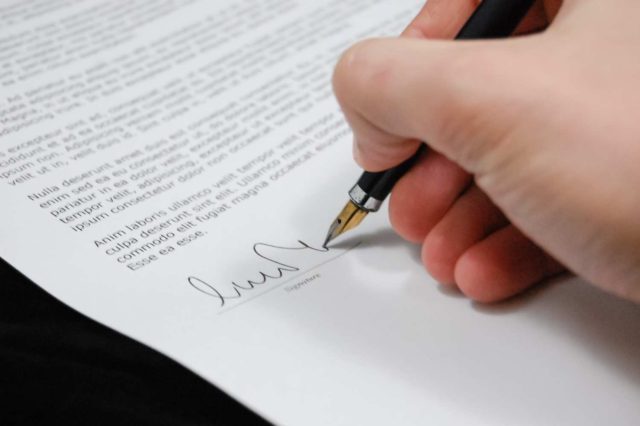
59,367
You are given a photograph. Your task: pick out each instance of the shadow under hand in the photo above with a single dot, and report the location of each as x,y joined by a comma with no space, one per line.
605,326
388,239
519,301
382,238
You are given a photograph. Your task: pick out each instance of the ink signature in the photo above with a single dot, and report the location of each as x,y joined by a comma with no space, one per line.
237,289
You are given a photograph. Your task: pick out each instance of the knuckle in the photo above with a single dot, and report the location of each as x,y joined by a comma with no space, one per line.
356,69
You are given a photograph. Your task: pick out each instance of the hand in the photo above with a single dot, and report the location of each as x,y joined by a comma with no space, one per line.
534,164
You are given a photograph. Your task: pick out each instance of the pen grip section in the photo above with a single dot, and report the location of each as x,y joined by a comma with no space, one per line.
378,185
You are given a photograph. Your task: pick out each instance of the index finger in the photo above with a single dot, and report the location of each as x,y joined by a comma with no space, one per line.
442,19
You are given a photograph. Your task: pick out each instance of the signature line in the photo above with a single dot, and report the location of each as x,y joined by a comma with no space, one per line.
291,279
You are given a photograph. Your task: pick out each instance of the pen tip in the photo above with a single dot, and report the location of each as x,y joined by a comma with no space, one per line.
350,217
327,241
330,235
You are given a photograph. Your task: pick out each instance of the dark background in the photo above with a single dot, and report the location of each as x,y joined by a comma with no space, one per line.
59,367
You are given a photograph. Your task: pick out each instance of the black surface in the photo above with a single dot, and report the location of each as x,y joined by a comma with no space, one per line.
59,367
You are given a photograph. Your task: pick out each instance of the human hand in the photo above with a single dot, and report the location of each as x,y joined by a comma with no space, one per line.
535,143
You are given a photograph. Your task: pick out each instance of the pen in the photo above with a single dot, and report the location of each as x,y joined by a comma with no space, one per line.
491,19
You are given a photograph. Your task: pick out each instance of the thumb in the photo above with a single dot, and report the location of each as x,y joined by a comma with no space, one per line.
464,98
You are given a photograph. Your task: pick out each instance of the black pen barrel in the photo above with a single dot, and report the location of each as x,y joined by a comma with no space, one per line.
378,185
495,19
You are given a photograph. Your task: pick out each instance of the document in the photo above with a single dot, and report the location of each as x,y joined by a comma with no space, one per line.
170,168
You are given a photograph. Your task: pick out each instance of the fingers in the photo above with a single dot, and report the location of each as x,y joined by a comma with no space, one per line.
438,19
458,96
470,220
467,240
423,196
441,19
502,265
462,100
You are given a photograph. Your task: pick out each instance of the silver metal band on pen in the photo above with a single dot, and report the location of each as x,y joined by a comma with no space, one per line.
364,200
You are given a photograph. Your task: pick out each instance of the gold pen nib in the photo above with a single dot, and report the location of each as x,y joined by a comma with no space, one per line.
349,218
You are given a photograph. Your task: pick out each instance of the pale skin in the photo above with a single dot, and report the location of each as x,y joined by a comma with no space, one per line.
534,161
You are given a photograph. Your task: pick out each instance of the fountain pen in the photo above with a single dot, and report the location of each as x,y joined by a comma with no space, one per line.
491,19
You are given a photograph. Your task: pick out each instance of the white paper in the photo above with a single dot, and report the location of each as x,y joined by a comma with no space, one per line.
211,126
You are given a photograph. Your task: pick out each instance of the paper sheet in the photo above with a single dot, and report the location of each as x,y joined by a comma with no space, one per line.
169,169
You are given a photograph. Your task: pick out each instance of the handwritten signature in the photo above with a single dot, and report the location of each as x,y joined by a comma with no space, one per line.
237,289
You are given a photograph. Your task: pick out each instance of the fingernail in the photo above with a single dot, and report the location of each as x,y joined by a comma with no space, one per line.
413,32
